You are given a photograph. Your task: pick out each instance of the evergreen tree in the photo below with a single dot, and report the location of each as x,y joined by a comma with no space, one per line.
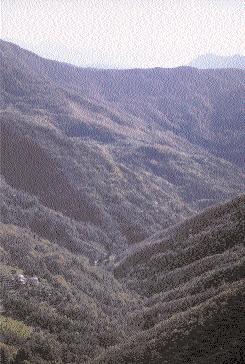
21,356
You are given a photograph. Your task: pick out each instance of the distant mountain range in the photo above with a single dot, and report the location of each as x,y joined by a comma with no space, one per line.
105,174
213,61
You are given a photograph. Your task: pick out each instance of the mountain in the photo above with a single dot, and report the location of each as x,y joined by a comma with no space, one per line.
213,61
202,107
74,313
189,309
100,167
193,277
111,156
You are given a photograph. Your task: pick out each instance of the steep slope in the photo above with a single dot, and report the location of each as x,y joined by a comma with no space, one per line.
91,152
194,279
211,332
74,312
80,180
175,256
190,308
115,201
204,107
98,167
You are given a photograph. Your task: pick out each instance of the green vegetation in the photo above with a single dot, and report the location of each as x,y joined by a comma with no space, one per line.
75,312
15,327
104,176
190,284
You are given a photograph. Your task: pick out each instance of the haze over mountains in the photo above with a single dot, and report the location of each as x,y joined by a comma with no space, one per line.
214,61
98,166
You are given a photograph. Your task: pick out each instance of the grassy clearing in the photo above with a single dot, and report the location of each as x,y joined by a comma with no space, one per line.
10,326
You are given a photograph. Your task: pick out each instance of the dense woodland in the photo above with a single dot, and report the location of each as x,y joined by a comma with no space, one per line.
122,193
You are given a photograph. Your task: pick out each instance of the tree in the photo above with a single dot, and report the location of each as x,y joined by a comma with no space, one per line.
21,356
4,359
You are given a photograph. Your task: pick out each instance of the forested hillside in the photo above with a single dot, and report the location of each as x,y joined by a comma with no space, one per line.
122,235
94,152
192,276
189,306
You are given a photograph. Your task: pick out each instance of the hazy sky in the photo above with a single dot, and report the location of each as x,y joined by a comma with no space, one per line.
125,33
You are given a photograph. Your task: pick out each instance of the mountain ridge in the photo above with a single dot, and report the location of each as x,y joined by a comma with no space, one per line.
214,61
113,196
156,89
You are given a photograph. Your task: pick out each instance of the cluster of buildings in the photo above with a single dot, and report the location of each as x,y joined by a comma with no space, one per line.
23,280
107,260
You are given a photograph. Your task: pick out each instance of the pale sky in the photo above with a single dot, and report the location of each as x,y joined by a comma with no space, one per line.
125,33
